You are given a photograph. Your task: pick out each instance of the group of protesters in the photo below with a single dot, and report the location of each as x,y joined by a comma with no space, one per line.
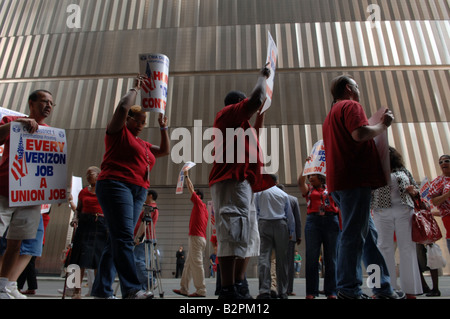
253,215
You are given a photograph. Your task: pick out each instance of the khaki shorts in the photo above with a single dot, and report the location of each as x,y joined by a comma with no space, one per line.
236,223
23,222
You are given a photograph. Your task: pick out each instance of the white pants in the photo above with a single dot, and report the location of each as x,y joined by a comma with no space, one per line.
398,220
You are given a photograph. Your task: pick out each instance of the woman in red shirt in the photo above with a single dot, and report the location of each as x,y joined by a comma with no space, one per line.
121,191
91,233
322,228
440,194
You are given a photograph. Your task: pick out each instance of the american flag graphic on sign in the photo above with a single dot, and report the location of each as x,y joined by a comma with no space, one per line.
19,167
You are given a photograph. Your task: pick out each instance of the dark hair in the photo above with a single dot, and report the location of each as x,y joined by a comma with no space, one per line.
274,177
396,159
338,86
199,193
153,193
234,97
135,109
445,155
35,94
322,179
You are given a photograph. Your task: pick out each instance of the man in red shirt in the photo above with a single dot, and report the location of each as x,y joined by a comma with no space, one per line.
353,170
23,222
193,267
234,177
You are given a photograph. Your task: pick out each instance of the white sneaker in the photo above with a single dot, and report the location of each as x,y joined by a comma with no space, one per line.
5,295
12,290
142,294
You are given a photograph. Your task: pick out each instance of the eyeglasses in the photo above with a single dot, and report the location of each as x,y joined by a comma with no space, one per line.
48,102
137,122
444,161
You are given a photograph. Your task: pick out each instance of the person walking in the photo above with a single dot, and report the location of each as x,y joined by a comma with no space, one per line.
193,268
91,233
121,190
22,222
233,184
276,226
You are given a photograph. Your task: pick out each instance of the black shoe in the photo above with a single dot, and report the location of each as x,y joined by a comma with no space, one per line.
242,290
396,294
341,295
229,293
264,296
433,293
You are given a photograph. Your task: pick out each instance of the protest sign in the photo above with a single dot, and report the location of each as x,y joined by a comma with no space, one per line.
154,90
37,166
77,186
316,163
45,208
272,57
180,182
382,144
6,112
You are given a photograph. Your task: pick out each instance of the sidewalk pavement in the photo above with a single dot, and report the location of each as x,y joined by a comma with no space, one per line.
48,288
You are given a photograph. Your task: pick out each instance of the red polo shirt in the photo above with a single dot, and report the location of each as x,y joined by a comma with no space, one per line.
350,164
246,166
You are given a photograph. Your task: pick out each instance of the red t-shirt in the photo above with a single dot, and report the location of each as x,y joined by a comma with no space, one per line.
88,203
199,217
317,197
350,164
154,215
4,162
242,167
127,159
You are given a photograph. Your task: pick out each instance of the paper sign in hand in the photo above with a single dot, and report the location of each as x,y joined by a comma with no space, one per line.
382,144
317,163
180,182
272,57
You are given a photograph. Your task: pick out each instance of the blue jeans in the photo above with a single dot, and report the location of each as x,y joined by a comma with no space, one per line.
321,230
121,204
358,243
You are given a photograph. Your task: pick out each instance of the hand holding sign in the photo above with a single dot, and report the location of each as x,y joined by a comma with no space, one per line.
155,85
272,57
316,163
181,176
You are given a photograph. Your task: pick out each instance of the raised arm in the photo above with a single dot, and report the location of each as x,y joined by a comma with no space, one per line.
164,146
188,182
302,182
126,102
258,95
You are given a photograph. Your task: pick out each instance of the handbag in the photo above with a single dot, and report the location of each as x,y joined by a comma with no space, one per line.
425,229
435,260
